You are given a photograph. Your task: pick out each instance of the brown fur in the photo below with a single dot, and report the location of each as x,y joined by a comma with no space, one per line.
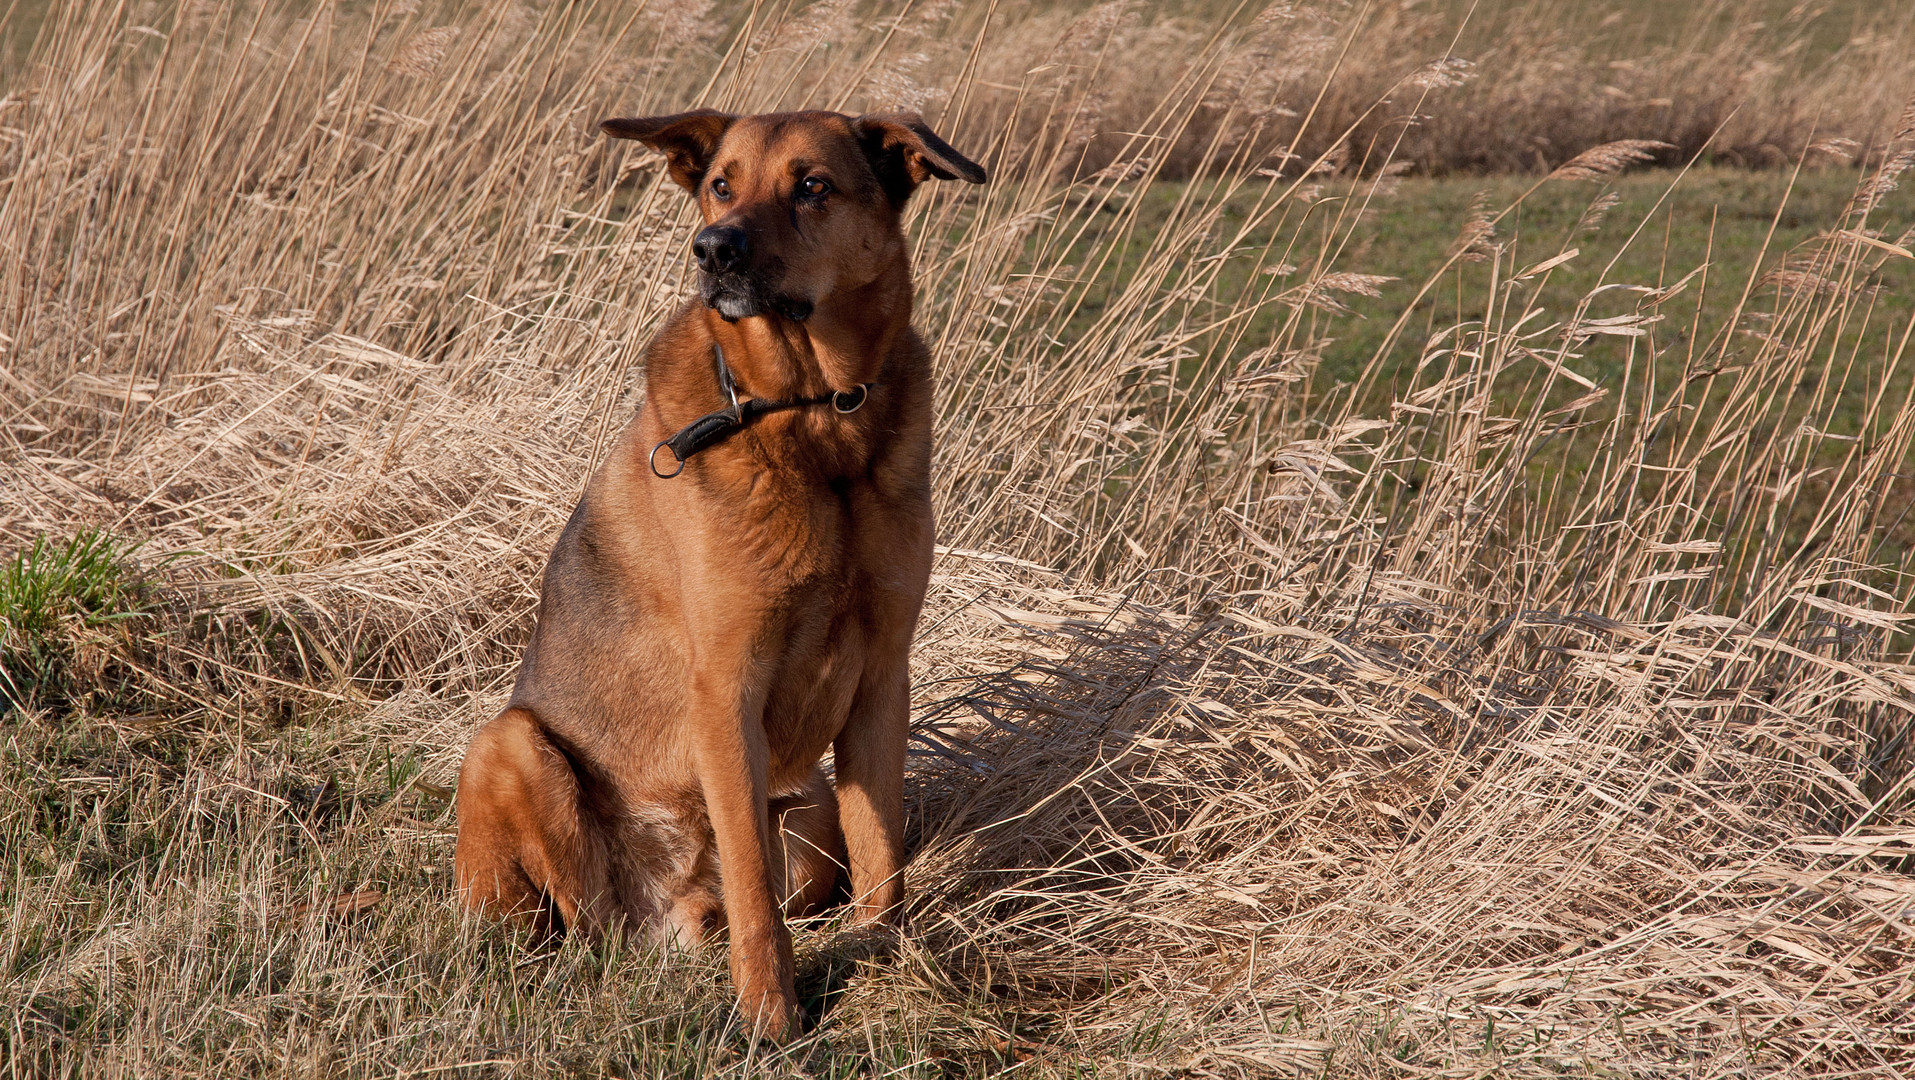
702,641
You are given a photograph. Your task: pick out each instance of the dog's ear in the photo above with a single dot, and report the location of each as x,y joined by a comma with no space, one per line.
688,139
905,152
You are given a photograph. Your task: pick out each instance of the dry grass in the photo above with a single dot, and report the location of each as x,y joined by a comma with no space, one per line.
1528,726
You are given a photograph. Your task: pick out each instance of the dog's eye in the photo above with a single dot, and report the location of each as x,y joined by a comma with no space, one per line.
815,186
721,189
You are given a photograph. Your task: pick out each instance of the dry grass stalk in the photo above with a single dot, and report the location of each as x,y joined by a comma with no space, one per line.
1609,159
1476,240
423,54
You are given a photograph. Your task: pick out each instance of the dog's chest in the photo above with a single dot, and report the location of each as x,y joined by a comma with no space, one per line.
795,535
828,569
811,690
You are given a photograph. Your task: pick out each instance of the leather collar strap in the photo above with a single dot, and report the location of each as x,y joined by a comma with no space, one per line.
715,427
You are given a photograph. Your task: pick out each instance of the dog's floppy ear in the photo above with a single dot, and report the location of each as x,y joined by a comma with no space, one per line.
905,152
688,139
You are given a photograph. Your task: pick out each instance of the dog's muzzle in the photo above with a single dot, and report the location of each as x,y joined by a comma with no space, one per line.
737,296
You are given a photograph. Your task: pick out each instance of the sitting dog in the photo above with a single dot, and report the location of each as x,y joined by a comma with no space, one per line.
736,592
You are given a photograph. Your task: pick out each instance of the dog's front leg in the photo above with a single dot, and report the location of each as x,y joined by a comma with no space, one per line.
870,761
732,762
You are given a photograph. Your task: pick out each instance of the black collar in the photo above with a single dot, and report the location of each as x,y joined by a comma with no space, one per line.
715,427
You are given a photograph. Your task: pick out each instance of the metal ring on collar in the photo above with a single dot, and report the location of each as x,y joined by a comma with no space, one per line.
652,460
850,401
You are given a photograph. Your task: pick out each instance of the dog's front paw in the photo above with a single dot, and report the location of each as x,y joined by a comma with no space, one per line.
763,977
770,1011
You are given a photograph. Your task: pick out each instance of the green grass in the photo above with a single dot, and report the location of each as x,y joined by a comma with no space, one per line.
1740,225
1659,229
57,598
1639,231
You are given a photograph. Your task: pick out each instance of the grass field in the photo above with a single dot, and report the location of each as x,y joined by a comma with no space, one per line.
1644,227
1366,640
1730,216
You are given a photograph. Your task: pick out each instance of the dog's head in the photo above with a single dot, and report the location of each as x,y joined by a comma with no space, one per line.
798,207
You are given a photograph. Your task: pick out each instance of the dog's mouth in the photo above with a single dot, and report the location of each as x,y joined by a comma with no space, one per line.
737,296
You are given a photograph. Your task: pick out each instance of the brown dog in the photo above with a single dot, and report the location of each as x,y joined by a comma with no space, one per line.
728,602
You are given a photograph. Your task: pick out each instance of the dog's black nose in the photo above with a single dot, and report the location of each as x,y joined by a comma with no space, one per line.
720,248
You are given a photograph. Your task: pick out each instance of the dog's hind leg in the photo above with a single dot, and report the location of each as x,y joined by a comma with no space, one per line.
807,841
527,848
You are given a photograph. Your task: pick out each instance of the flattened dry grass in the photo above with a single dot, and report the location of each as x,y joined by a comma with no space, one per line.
1487,711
